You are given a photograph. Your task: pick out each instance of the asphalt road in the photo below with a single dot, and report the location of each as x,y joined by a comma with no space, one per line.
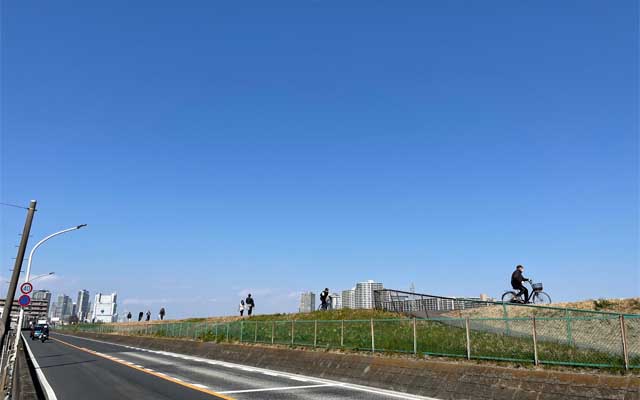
79,368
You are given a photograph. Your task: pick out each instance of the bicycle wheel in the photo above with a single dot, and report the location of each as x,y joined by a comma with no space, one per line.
508,297
540,298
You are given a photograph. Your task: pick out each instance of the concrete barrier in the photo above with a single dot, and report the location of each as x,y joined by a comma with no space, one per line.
440,379
25,385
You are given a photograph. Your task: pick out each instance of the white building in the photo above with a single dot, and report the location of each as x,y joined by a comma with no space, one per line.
307,302
349,298
105,308
336,301
364,293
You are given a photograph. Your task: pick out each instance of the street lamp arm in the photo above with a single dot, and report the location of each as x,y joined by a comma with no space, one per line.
26,279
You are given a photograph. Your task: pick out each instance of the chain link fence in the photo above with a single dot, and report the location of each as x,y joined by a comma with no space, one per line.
593,341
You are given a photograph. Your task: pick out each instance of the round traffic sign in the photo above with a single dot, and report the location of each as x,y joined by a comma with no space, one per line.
26,288
24,300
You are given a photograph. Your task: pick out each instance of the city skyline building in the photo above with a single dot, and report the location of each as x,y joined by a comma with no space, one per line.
105,308
349,298
83,305
307,302
336,301
364,293
63,307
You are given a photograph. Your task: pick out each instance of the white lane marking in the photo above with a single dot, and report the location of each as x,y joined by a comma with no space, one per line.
298,379
201,385
366,389
276,388
48,390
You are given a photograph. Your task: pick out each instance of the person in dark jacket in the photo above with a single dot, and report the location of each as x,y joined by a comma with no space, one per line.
324,296
129,316
162,313
516,282
250,304
148,315
140,315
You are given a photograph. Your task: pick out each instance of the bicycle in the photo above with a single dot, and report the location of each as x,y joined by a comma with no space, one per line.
537,295
327,306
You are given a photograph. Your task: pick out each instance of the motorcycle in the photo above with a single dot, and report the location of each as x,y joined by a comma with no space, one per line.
44,337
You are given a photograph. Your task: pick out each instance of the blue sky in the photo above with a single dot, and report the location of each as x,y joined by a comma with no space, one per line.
276,147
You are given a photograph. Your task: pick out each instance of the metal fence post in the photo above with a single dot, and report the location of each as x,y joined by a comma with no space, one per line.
569,333
241,330
216,332
373,337
293,331
505,315
273,331
227,332
315,333
342,334
534,334
255,336
415,339
623,335
466,324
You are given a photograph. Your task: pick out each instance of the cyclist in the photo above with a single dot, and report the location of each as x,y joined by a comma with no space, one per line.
324,296
516,283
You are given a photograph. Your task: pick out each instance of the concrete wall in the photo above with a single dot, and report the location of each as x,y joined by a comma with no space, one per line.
440,379
24,386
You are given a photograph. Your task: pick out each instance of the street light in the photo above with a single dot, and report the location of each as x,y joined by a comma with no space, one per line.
37,277
28,272
41,276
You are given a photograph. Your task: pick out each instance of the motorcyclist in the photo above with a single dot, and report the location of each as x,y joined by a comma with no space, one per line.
516,282
324,296
45,333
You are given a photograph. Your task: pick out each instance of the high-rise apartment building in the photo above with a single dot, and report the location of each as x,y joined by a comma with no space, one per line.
63,307
83,305
307,302
105,308
336,301
349,298
364,293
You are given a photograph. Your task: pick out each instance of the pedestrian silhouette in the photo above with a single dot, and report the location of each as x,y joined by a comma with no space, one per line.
250,304
129,316
162,312
241,307
148,315
140,315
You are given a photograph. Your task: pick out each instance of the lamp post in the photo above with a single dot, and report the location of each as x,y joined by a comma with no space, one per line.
28,272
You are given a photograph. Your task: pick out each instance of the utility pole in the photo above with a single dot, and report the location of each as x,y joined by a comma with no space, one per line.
13,284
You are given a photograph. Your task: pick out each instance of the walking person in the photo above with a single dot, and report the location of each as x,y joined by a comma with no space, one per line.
250,304
129,316
140,315
148,315
162,312
241,307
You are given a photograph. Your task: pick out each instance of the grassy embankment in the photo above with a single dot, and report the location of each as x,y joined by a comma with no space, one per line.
490,339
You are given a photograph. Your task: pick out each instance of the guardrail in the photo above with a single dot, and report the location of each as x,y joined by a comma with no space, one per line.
611,341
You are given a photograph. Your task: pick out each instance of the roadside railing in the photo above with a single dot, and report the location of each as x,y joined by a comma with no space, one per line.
601,341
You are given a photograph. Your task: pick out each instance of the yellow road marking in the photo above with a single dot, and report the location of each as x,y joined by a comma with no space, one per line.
156,374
